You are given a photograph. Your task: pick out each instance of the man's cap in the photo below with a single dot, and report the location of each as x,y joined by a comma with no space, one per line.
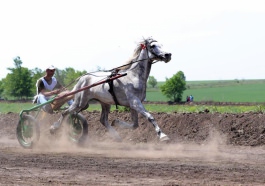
50,67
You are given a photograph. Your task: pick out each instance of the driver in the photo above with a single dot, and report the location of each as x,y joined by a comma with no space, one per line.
47,87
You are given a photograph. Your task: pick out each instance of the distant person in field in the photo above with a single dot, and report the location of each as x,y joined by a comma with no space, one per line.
188,98
191,98
48,87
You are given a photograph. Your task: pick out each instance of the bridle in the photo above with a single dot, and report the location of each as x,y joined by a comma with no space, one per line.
149,48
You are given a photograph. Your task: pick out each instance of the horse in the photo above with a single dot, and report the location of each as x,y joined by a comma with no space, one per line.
128,91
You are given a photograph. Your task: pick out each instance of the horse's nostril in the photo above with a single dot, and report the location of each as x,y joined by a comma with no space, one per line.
168,54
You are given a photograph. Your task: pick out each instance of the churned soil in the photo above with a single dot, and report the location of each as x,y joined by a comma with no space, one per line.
204,149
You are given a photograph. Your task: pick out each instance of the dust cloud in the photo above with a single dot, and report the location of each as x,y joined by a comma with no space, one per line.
140,143
213,149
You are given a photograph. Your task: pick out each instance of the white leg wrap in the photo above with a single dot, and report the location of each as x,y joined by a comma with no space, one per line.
163,137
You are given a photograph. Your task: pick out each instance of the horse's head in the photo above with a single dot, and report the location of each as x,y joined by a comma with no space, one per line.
156,52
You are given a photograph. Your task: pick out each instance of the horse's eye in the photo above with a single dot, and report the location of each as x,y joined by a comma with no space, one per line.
152,46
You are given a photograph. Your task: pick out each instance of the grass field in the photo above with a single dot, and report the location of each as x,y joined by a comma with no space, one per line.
17,107
218,91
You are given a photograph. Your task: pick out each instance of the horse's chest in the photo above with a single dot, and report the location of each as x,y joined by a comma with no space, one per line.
137,83
137,86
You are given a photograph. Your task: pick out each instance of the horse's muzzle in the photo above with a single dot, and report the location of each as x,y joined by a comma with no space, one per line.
167,57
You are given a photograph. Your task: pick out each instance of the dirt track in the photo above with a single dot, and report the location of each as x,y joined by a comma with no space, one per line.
205,149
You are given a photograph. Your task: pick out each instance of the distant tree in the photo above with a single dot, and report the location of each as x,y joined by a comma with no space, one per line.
17,62
1,88
174,87
71,75
152,81
100,68
60,76
18,82
68,76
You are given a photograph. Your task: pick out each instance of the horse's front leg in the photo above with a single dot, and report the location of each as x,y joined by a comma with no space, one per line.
56,125
138,106
125,125
162,136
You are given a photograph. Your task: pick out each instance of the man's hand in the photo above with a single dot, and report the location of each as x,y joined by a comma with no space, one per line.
57,91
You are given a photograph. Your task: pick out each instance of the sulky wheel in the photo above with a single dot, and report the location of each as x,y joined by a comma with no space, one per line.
28,131
77,129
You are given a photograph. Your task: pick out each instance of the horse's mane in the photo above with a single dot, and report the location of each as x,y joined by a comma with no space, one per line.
135,55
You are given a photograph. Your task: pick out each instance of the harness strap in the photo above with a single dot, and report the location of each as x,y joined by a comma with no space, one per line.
111,91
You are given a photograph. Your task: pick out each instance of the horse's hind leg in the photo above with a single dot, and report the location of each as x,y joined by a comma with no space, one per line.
104,121
57,124
125,125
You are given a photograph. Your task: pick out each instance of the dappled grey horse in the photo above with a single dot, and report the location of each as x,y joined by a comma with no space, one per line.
129,90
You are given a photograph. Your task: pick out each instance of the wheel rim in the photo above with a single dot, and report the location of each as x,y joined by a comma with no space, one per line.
27,132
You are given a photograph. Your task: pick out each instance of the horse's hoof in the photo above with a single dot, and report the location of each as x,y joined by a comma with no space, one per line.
54,127
164,137
53,131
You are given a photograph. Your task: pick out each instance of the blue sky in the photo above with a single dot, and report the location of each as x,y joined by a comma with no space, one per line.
209,40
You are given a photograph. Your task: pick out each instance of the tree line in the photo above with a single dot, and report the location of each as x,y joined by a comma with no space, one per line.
20,83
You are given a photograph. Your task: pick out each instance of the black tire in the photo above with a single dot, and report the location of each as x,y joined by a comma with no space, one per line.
77,129
28,131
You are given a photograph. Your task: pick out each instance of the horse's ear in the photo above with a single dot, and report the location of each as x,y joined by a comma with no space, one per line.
153,41
143,46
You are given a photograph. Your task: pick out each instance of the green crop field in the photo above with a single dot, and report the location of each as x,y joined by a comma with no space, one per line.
218,91
18,107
